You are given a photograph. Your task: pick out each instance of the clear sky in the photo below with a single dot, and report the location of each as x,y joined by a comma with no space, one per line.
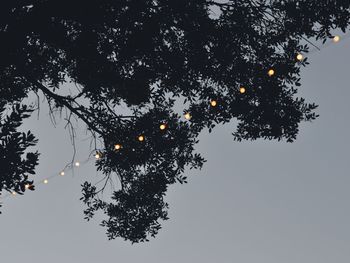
253,202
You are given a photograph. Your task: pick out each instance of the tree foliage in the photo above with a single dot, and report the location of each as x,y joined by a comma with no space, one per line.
148,56
16,166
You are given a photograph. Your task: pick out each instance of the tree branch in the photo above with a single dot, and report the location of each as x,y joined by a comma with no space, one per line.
62,100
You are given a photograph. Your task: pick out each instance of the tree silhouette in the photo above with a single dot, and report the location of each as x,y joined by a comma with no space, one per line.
219,60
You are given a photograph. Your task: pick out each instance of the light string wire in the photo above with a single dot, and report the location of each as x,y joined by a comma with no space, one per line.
76,164
62,173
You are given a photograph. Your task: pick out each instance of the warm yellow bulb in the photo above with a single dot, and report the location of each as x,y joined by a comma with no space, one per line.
141,138
97,156
242,90
27,186
13,193
271,72
336,39
117,146
300,57
213,103
62,173
187,116
77,164
46,181
162,127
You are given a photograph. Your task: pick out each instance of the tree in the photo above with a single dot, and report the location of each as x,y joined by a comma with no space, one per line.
223,60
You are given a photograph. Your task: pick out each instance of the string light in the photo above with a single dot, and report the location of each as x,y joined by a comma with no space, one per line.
163,126
188,116
213,103
336,39
300,57
45,181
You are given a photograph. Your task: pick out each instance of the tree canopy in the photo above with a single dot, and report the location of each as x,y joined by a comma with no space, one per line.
132,64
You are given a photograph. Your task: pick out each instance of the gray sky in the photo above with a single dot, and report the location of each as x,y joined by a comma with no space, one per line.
261,201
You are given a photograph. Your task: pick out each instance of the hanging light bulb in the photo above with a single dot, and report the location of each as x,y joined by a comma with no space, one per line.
13,193
271,72
46,181
188,116
117,147
162,127
97,156
300,57
141,138
27,186
336,39
242,90
213,103
77,164
62,173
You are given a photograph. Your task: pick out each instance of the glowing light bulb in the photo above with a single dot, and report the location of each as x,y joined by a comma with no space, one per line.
336,39
187,116
242,90
162,127
117,147
46,181
62,173
13,193
27,186
141,138
77,164
271,72
97,156
300,57
213,103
